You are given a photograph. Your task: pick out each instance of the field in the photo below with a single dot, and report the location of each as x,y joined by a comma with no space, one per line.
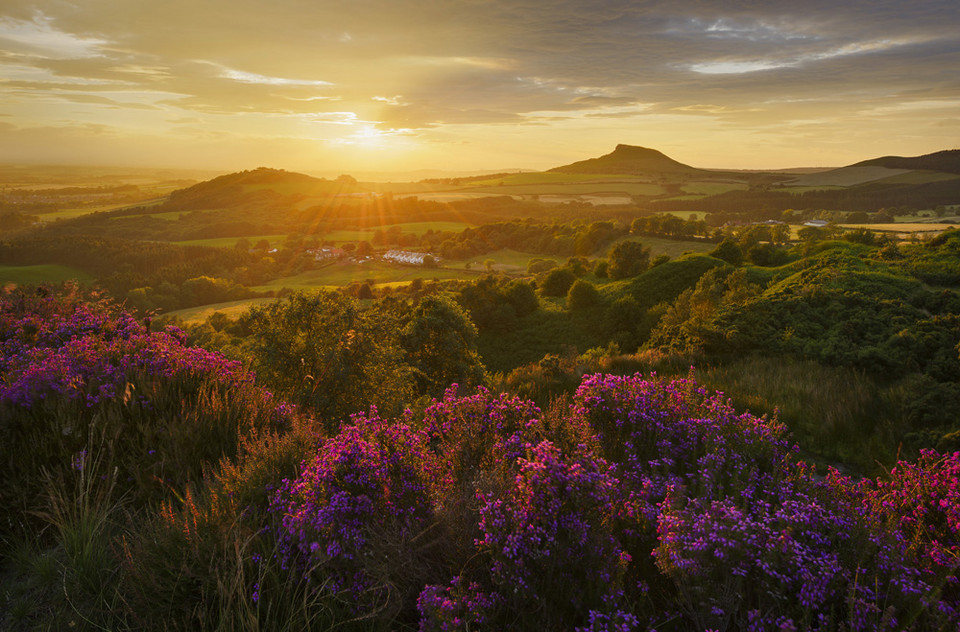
168,215
539,178
669,247
230,242
377,272
415,228
585,188
846,176
905,227
71,213
712,188
685,215
919,177
804,189
193,315
30,275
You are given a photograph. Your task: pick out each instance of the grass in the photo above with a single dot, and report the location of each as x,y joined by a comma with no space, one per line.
340,274
685,215
336,236
192,315
230,242
804,189
44,273
845,177
584,188
544,177
837,413
919,177
669,247
71,213
168,215
905,227
508,260
712,188
415,228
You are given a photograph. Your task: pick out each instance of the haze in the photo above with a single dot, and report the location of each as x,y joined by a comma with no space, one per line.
333,87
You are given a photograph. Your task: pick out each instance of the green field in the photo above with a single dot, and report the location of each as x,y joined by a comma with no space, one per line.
31,275
712,188
919,177
230,308
379,272
415,228
584,188
230,242
685,215
336,236
538,178
71,213
168,215
669,247
824,187
510,261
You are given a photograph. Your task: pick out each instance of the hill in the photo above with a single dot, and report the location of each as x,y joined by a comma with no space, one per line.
259,185
630,160
947,161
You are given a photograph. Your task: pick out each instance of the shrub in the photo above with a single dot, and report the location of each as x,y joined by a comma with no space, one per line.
86,378
557,282
627,259
583,295
353,523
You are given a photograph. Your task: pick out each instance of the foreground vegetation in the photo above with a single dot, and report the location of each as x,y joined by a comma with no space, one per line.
153,485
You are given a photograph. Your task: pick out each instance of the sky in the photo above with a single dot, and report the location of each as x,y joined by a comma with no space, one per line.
329,87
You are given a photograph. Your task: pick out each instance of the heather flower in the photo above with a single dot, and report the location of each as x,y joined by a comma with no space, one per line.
354,513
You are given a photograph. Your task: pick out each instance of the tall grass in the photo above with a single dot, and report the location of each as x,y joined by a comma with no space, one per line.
835,413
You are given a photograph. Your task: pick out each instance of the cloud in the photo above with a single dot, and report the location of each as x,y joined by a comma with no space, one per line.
39,37
413,65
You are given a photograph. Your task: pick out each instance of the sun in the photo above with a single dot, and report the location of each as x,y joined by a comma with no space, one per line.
367,136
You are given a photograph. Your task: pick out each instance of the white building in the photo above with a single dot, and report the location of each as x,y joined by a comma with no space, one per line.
402,256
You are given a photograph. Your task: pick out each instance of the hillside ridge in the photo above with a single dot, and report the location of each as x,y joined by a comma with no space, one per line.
947,161
628,160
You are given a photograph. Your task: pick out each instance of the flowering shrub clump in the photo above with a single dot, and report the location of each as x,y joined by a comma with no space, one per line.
548,534
77,375
460,606
679,513
480,432
351,521
920,504
88,353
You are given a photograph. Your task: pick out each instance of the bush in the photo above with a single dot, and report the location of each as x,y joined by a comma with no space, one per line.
582,296
627,259
728,251
557,282
83,380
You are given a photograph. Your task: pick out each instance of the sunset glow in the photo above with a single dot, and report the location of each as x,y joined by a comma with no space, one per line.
335,87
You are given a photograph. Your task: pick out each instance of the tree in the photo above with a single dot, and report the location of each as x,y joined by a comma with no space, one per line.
557,282
582,296
728,251
441,345
627,259
521,295
324,352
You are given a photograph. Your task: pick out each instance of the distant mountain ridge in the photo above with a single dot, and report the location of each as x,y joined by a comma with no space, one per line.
947,161
628,160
